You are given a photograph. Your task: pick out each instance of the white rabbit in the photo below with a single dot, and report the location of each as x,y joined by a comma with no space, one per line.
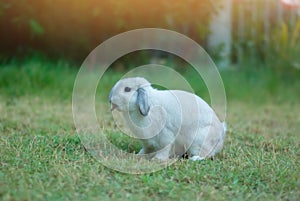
169,123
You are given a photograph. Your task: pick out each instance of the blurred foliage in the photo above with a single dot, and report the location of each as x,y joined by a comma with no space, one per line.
266,33
55,80
37,75
285,47
72,29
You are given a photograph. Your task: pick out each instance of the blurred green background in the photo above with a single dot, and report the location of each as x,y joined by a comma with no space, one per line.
255,44
72,29
261,32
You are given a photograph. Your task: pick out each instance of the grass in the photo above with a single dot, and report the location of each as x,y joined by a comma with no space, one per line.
42,157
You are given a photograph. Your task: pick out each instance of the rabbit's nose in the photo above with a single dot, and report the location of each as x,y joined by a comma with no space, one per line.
113,106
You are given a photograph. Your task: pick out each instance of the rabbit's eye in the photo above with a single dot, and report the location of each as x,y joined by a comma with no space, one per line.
127,89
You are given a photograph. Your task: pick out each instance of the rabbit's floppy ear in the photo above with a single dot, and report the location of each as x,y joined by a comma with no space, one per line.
142,101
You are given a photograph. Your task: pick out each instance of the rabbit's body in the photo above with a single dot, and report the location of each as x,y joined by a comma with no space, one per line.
168,122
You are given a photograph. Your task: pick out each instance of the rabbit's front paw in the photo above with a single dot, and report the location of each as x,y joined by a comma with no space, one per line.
196,158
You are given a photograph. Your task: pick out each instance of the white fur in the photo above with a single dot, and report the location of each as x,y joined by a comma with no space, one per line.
178,122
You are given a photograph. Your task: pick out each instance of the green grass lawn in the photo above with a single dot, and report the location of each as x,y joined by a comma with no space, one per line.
42,157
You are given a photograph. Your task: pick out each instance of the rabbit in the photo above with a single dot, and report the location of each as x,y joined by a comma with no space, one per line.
169,123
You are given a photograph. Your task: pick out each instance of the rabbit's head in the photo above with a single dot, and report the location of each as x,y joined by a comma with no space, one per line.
130,94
